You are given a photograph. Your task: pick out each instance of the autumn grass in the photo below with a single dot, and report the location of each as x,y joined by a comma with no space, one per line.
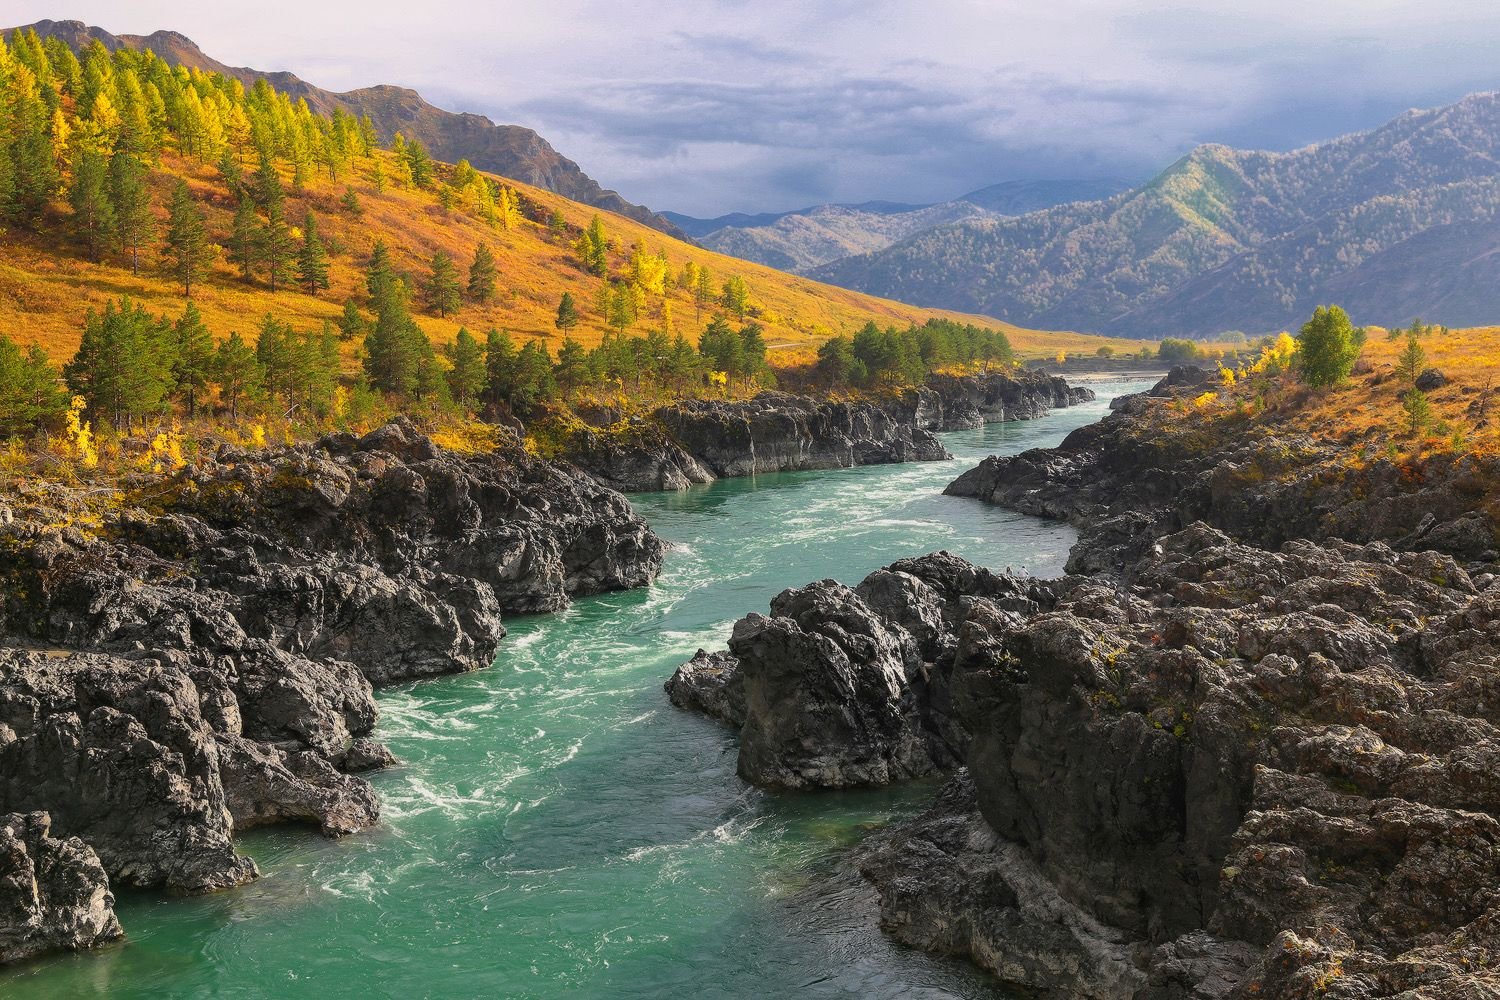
47,287
1365,413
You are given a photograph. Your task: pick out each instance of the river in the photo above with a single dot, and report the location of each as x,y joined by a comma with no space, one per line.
558,829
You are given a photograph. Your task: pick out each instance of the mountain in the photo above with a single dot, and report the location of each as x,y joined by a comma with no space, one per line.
509,150
805,239
1393,223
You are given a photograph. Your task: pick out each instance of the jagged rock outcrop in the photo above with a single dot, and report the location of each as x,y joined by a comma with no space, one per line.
1140,472
54,895
1242,773
839,688
199,657
703,440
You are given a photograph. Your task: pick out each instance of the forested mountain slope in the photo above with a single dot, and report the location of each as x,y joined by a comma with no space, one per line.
511,150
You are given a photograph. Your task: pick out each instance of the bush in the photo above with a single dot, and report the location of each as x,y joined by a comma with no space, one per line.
1176,350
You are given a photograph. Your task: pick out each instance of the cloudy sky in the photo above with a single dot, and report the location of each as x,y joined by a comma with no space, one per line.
757,105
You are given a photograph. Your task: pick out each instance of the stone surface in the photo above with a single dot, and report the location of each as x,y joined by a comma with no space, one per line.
201,657
703,440
54,895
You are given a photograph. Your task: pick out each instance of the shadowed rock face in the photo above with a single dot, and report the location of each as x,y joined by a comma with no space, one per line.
703,440
54,895
203,661
1219,770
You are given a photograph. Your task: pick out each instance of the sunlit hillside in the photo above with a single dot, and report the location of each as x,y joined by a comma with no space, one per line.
47,286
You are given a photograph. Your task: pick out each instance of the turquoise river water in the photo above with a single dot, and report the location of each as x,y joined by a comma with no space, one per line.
557,828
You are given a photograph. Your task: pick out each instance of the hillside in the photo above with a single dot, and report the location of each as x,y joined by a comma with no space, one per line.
48,284
803,240
511,150
1393,223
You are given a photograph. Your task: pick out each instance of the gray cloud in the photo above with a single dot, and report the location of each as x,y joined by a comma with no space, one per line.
724,105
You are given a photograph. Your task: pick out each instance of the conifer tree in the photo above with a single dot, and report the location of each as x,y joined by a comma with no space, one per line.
29,393
276,246
123,366
441,289
234,177
499,366
466,379
34,173
703,290
93,221
312,259
1412,358
350,203
193,367
379,275
736,296
482,274
245,239
593,248
186,250
557,223
352,322
237,371
571,370
267,182
132,200
567,313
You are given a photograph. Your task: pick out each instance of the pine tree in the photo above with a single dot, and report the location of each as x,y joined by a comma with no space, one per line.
736,296
482,274
34,169
245,239
379,276
132,199
567,313
276,246
123,366
441,291
557,223
94,221
419,163
593,248
187,249
499,366
194,362
1412,359
572,370
352,322
267,183
312,259
703,290
466,379
237,371
29,393
350,203
234,177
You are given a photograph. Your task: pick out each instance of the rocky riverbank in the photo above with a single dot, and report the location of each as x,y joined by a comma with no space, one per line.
1230,762
194,655
703,440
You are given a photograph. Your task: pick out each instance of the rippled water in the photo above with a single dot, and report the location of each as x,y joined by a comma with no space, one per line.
558,828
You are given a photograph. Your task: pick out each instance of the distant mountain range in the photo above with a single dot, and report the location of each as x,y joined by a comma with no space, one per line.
1393,223
807,238
510,150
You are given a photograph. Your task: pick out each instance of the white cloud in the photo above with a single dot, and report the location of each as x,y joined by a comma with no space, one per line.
734,104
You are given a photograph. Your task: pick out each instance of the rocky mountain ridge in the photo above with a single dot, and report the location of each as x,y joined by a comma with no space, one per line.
1394,223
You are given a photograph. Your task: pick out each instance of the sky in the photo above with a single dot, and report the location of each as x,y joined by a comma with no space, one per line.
716,106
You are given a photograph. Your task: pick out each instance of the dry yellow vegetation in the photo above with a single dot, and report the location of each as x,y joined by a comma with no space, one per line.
46,288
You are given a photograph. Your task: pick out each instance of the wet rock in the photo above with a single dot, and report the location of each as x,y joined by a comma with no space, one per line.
54,895
710,683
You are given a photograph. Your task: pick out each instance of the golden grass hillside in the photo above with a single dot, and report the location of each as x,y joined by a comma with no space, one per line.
47,285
